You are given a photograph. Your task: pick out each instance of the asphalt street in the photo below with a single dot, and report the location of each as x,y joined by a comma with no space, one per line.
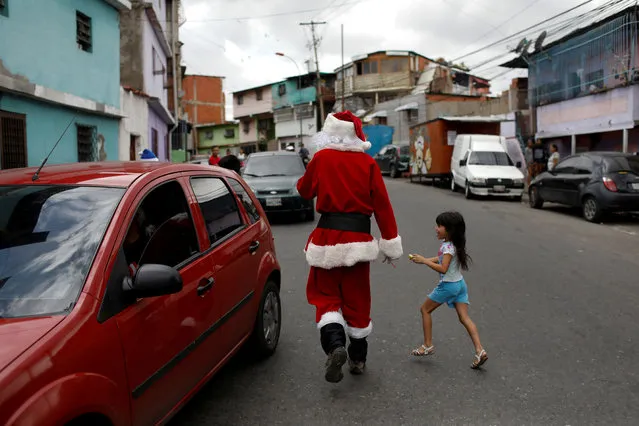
554,297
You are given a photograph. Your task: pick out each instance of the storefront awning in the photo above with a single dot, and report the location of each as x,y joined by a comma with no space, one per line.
376,114
410,105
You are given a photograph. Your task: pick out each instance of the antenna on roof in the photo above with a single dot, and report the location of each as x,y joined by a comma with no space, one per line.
36,175
540,41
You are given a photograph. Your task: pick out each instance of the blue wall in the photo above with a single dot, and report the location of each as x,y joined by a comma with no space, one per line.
38,41
292,96
45,124
379,136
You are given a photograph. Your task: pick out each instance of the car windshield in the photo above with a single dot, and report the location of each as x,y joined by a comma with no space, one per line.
487,158
274,165
49,236
622,164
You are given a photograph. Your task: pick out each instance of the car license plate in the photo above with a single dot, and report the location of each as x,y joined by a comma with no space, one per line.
499,188
273,202
635,186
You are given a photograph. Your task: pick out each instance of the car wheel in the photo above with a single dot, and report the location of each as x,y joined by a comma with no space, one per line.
393,171
591,210
266,333
467,192
534,199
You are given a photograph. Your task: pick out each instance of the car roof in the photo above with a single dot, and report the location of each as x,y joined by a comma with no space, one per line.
273,154
109,173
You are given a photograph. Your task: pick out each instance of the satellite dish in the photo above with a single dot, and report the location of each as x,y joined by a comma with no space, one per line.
521,45
540,41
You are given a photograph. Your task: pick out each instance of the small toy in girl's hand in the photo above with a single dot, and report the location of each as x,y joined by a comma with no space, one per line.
411,257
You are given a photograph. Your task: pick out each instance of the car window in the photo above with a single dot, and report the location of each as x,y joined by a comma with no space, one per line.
622,164
486,158
569,165
49,236
390,152
586,165
162,230
274,165
219,209
245,199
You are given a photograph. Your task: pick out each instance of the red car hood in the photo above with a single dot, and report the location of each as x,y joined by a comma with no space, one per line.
19,334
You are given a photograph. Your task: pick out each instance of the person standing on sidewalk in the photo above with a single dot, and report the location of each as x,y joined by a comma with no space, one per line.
350,189
530,160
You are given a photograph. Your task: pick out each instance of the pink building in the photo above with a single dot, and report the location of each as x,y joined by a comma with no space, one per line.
254,109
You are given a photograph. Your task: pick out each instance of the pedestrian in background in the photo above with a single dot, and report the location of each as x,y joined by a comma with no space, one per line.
231,162
554,158
452,290
530,160
215,156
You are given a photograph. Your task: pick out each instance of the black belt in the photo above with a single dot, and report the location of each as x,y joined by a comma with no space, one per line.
354,222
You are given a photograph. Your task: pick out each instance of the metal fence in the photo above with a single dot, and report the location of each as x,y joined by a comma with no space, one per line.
602,58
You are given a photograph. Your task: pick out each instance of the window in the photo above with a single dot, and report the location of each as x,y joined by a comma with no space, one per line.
49,235
622,164
284,114
382,121
264,124
83,31
229,133
394,65
218,206
13,140
369,67
246,200
246,126
305,111
240,99
487,158
569,165
281,89
596,79
86,143
586,165
208,135
162,230
258,94
154,141
158,67
413,115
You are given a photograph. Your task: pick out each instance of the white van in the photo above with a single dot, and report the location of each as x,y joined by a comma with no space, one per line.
482,167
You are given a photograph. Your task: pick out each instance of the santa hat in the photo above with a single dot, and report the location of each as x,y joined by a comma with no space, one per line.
342,131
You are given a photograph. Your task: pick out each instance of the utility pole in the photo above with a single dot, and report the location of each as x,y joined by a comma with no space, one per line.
343,70
317,69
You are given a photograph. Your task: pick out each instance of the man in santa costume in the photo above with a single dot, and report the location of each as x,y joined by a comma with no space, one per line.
350,189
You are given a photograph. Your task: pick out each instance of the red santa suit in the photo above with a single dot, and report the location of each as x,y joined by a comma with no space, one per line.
349,189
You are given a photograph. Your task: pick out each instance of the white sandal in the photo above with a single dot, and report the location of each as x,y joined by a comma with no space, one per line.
423,351
480,359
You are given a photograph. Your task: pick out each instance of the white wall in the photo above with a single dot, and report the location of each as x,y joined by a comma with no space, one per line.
136,121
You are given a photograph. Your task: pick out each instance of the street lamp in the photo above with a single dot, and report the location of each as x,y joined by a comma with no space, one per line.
299,89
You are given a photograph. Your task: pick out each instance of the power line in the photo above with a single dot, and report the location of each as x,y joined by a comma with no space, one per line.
522,31
316,42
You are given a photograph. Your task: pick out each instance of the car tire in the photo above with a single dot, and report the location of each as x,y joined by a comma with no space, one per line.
393,171
467,191
591,209
266,333
534,199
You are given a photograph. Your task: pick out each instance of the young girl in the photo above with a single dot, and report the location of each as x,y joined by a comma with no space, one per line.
451,260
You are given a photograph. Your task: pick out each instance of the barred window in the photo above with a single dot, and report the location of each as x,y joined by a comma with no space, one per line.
86,143
284,114
83,31
13,140
304,111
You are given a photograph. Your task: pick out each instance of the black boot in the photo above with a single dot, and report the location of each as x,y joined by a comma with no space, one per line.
333,338
357,351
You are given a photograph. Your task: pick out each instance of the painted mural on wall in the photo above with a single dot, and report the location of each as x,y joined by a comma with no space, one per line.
421,158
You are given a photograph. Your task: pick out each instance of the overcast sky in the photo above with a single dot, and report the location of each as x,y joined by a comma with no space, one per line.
243,50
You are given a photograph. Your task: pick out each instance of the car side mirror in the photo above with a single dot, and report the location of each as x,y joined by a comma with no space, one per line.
153,280
462,163
518,165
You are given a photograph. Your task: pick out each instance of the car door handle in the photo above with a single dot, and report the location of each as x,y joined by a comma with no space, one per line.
254,246
203,289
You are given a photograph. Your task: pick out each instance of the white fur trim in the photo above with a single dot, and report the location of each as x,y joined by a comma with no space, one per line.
339,135
332,317
360,333
348,254
392,248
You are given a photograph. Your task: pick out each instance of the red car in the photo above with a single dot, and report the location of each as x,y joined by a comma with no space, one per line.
125,286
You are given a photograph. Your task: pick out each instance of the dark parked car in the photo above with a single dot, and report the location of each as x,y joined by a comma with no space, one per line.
598,182
273,178
393,159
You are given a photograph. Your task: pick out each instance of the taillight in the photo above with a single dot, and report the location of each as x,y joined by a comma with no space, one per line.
610,184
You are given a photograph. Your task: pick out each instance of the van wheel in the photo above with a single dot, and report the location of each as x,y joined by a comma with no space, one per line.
591,210
266,333
467,192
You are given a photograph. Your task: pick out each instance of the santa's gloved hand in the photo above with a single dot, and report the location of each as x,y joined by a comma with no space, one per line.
388,260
